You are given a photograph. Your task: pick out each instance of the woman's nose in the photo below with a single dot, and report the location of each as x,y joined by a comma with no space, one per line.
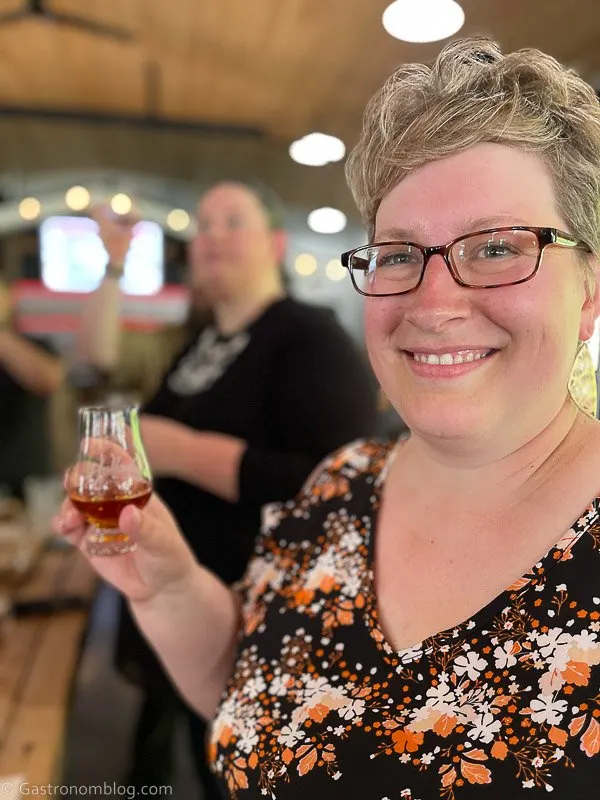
438,298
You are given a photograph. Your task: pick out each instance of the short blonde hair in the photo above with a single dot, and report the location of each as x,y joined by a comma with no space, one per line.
474,93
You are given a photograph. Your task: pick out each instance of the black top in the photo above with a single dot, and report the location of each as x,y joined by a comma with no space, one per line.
504,705
294,387
25,447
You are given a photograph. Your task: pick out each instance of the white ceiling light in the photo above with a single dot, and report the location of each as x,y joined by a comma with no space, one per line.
178,219
326,220
317,149
30,208
77,198
423,20
305,264
335,270
121,203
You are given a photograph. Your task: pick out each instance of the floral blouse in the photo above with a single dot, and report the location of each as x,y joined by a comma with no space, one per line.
505,705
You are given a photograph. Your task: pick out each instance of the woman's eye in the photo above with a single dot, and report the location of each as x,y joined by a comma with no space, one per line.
495,251
400,258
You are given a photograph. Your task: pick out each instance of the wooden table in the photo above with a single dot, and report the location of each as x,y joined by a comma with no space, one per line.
39,656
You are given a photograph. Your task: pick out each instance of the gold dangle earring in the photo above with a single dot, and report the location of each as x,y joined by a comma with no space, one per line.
582,386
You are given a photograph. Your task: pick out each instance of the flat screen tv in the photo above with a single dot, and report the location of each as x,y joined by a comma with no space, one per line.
73,258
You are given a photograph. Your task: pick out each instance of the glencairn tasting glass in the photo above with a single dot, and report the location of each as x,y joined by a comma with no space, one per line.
111,472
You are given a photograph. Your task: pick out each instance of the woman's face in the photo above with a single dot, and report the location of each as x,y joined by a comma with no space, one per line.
235,247
527,333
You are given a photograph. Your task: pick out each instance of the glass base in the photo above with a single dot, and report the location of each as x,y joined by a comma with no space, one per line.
103,542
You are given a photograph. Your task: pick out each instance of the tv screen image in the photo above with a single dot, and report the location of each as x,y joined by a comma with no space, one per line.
73,258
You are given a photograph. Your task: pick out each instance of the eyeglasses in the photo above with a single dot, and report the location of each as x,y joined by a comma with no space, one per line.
482,260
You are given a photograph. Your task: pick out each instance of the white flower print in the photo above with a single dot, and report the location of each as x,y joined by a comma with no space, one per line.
351,583
314,686
469,664
558,754
545,709
271,517
440,695
504,657
559,659
405,758
350,541
248,741
278,685
355,709
427,758
530,784
419,715
355,458
290,735
562,587
484,727
585,641
410,655
548,642
254,687
339,731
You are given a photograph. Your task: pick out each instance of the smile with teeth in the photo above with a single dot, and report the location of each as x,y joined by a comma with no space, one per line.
447,359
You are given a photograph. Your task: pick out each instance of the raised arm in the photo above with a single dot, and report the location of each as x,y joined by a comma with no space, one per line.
98,339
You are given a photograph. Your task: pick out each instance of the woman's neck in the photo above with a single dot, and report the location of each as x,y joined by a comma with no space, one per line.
496,485
235,314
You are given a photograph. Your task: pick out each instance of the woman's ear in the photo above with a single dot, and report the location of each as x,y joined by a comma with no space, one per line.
590,309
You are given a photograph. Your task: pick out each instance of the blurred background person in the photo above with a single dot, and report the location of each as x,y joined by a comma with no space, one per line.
29,374
247,410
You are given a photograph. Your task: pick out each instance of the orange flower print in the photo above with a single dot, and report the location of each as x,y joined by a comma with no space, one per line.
590,741
474,771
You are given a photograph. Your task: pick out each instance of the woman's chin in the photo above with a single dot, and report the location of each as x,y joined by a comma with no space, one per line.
447,424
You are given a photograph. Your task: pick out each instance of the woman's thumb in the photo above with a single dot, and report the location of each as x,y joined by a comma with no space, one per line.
130,521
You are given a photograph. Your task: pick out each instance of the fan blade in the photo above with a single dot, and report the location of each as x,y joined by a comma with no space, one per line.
90,26
14,16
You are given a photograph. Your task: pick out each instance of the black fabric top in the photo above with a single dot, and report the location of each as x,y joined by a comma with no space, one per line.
504,705
294,387
25,447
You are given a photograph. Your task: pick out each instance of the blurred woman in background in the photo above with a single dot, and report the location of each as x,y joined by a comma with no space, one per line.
243,415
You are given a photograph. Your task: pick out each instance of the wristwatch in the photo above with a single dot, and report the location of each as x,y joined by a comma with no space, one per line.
114,271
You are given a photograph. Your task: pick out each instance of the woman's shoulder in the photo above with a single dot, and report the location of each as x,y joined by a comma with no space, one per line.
342,479
363,458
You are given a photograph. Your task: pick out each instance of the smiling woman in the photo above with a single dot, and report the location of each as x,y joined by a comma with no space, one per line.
422,620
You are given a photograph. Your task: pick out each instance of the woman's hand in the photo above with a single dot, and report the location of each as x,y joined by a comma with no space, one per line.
162,561
116,232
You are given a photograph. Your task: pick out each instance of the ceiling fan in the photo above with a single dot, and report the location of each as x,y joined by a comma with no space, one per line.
37,9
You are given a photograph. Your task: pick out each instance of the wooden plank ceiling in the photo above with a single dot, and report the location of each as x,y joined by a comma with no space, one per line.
285,67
